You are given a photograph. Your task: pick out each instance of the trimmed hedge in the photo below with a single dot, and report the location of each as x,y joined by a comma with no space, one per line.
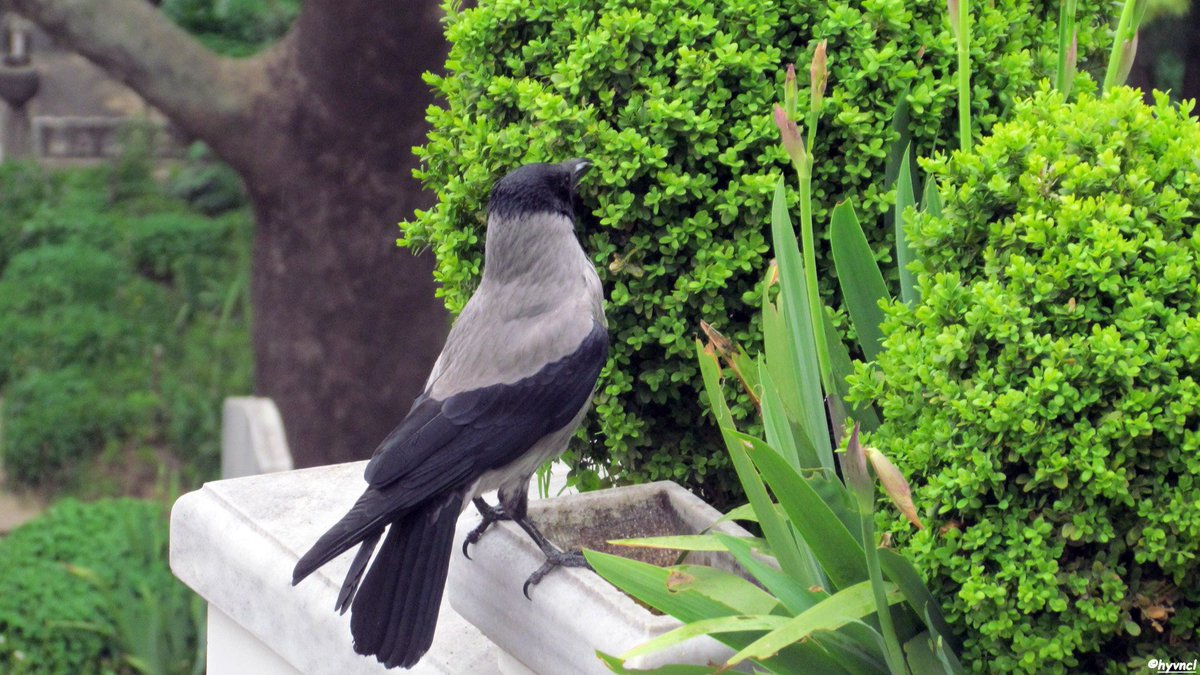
1044,394
672,101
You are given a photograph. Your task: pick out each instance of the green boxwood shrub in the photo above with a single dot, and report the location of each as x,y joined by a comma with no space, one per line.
1044,394
86,588
672,101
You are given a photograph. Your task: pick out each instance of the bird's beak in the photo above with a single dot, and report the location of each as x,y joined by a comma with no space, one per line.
579,168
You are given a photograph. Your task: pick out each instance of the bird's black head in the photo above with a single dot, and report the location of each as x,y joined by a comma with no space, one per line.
538,188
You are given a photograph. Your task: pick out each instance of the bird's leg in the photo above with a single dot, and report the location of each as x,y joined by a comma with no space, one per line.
490,515
554,556
515,504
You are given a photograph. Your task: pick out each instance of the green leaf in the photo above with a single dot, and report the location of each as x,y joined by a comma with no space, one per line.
649,583
900,571
725,587
859,277
723,624
920,656
778,427
788,590
944,649
931,202
843,367
902,128
681,542
837,386
833,492
926,652
793,556
710,368
746,369
617,665
780,354
849,604
795,311
743,512
860,647
840,555
904,255
888,622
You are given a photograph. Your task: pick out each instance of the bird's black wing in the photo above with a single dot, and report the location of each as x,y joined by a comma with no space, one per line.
474,431
443,446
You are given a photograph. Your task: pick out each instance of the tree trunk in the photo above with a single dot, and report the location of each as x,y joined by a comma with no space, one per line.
346,325
321,127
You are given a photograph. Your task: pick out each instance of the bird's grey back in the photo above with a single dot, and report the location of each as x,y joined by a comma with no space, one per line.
539,298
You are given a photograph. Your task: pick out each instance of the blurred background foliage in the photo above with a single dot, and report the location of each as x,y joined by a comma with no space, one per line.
124,308
123,321
233,27
86,589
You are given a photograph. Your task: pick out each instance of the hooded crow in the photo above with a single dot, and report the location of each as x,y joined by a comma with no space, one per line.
506,394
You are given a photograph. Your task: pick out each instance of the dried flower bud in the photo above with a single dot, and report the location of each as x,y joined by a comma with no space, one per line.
793,141
789,91
854,468
1128,51
1072,55
818,76
894,485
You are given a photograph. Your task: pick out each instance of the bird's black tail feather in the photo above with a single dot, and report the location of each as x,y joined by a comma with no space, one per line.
354,575
365,522
394,613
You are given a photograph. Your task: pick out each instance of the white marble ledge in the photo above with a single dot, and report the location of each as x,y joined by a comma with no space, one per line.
235,542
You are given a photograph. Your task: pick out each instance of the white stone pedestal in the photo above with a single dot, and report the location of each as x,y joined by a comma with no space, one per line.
573,612
235,542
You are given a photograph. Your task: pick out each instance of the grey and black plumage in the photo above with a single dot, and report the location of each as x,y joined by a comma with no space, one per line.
512,383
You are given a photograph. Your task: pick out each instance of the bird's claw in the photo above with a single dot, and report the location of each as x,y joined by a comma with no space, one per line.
554,559
490,515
